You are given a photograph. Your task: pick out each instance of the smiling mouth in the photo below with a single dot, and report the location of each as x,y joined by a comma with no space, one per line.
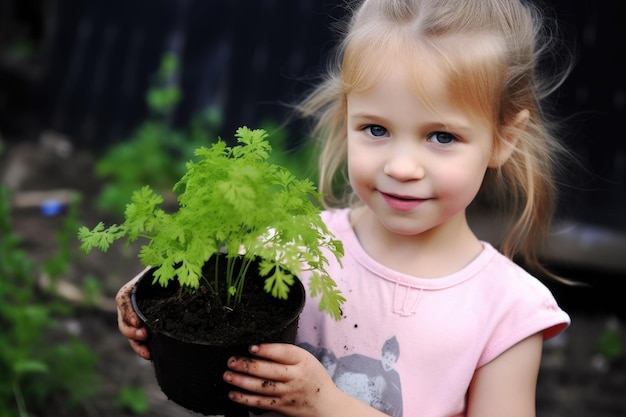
402,203
401,198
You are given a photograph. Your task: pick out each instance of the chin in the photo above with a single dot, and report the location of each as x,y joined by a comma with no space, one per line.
403,227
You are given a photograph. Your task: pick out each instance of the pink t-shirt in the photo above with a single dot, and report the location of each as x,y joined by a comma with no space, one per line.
409,346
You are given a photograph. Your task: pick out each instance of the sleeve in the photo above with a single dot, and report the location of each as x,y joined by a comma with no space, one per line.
527,307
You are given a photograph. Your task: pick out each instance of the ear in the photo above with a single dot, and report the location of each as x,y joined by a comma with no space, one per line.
508,139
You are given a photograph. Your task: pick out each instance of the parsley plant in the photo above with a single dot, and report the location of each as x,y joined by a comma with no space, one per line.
232,200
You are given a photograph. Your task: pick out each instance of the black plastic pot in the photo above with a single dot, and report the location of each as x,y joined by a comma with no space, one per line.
190,373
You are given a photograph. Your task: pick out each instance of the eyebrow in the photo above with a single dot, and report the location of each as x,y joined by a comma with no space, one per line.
452,126
366,116
435,124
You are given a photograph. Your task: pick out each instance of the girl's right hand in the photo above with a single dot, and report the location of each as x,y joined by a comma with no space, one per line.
128,321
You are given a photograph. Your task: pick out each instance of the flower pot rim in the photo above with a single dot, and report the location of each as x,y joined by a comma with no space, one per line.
147,273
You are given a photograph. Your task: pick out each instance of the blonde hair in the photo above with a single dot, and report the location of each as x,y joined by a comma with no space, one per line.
489,51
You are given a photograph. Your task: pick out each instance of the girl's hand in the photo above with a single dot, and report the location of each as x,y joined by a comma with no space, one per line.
283,378
289,380
128,321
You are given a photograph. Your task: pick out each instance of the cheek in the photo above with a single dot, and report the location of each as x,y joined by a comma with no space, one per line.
358,164
362,173
356,175
461,185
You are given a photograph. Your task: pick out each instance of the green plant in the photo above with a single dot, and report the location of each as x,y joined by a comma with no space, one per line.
132,399
610,344
155,154
59,263
299,158
164,95
92,290
38,364
232,200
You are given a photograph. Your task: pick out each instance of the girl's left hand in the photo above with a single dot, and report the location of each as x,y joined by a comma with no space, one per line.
283,378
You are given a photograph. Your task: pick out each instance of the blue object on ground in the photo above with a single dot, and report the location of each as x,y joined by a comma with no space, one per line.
51,207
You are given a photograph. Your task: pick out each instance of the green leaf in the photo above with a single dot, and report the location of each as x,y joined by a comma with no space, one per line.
99,237
189,273
278,281
133,399
331,298
29,366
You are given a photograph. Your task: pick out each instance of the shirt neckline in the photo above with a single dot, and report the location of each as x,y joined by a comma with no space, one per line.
356,250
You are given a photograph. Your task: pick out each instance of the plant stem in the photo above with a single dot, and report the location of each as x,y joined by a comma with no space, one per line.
241,279
229,280
208,283
215,275
19,399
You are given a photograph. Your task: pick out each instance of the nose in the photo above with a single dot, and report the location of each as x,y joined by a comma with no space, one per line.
404,163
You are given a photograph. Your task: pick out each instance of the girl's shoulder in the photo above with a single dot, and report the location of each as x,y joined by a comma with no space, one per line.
514,288
500,271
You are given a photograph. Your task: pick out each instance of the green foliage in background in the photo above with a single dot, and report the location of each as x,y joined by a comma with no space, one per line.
610,343
40,364
59,263
133,400
299,158
156,154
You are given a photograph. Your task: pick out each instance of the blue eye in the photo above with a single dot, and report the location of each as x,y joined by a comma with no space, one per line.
442,138
376,131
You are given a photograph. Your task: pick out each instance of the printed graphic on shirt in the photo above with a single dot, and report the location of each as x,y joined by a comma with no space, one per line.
371,380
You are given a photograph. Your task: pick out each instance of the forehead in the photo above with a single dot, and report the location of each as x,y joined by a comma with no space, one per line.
466,69
392,104
396,92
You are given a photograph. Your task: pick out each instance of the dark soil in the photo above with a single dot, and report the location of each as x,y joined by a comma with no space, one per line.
201,316
576,379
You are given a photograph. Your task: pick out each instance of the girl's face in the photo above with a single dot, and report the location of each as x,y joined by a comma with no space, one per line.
415,169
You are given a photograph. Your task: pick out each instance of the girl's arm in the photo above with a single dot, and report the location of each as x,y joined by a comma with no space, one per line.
507,385
289,380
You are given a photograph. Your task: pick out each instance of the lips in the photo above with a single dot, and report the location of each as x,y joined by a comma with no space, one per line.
402,203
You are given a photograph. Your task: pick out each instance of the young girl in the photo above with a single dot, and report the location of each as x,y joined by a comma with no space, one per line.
430,103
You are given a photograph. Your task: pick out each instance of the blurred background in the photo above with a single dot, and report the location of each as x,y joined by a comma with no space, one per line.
100,96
